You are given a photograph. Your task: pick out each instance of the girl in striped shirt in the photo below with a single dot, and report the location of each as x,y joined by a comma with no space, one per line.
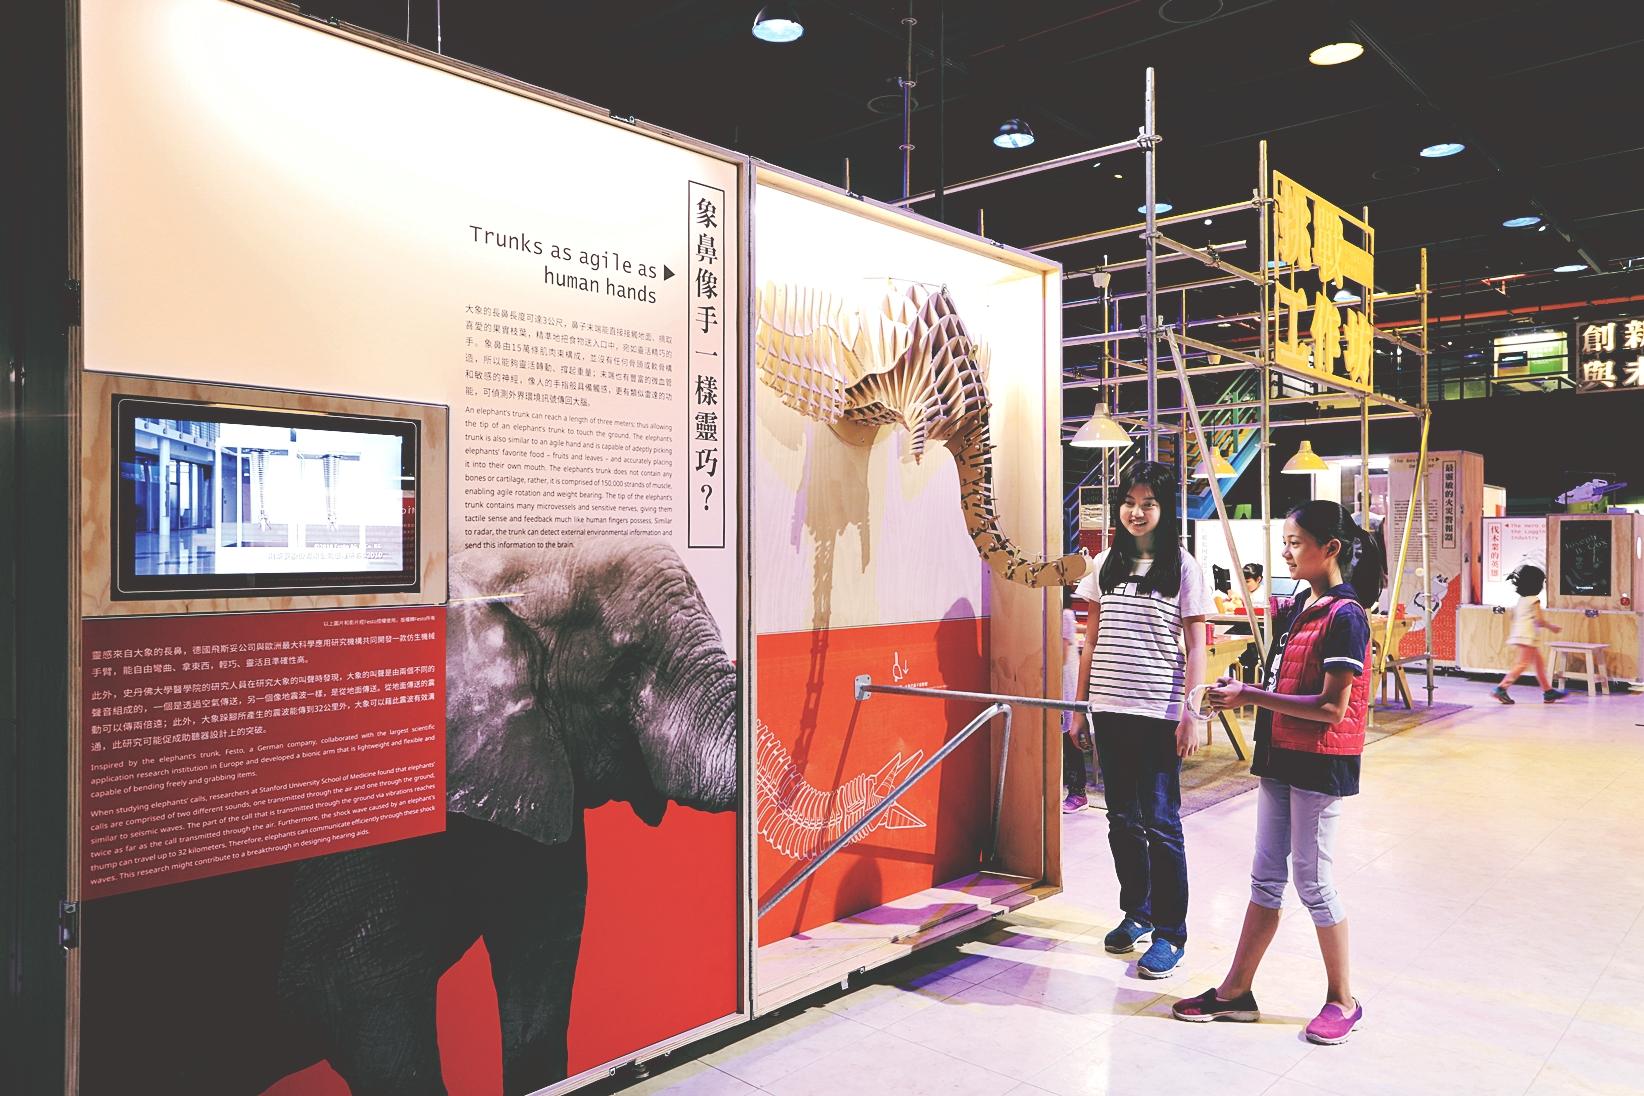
1144,652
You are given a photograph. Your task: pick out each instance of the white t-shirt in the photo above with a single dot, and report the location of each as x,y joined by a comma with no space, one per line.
1525,615
1139,662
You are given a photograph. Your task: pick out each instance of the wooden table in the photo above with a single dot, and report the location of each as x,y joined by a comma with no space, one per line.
1379,638
1224,654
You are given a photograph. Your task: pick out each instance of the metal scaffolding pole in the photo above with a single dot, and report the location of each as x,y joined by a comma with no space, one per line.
907,83
1151,238
1131,229
1215,492
1026,170
1265,448
1427,415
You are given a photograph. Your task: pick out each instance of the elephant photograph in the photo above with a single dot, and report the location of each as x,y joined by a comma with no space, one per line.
574,678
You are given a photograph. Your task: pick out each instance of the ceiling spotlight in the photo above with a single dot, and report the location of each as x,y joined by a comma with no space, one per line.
1346,296
1569,268
1443,149
1095,163
1336,53
1158,207
1521,222
1015,133
1210,220
778,23
1118,175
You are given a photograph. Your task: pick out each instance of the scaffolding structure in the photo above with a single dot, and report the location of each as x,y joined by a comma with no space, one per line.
1287,394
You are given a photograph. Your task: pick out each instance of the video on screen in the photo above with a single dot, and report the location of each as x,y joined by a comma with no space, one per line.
234,499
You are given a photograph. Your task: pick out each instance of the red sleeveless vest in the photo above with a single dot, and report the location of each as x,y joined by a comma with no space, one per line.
1301,673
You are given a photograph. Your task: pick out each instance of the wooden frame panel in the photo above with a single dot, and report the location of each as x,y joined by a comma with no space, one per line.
97,480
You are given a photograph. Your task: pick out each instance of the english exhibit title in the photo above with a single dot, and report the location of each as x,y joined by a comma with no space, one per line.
595,260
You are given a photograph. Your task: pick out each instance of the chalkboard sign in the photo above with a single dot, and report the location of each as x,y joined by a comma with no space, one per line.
1584,558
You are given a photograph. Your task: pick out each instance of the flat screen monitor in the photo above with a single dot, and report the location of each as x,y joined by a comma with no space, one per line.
223,500
1285,586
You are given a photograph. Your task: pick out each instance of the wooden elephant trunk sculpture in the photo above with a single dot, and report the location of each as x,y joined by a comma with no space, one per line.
910,363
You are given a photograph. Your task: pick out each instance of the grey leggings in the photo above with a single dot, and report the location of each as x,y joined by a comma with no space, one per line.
1300,826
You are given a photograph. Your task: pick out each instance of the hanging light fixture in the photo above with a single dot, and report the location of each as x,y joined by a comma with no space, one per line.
1101,432
778,23
1218,464
1305,461
1015,133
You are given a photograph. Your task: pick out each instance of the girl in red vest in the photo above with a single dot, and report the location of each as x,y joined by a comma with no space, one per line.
1309,736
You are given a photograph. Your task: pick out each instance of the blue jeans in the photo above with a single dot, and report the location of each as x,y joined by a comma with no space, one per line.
1141,781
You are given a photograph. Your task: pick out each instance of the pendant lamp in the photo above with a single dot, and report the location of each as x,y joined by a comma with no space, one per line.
1305,461
1218,464
1101,432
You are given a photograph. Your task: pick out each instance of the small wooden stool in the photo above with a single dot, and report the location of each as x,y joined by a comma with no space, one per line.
1594,661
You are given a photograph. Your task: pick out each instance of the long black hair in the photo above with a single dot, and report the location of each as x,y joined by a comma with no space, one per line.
1165,576
1359,555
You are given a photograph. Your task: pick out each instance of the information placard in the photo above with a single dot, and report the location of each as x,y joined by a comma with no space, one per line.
207,750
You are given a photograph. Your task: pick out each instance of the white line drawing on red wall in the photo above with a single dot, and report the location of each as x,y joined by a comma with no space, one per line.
799,821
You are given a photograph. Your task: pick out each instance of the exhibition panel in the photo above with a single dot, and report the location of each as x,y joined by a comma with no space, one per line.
903,529
426,830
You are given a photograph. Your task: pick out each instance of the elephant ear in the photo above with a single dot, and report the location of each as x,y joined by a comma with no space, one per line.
506,763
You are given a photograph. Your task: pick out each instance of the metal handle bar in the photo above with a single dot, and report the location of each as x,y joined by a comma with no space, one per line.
889,801
998,705
865,687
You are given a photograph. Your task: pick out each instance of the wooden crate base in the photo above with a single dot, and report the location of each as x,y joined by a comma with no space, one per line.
824,956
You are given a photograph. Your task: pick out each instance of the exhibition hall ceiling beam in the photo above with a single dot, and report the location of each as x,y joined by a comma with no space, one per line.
1470,131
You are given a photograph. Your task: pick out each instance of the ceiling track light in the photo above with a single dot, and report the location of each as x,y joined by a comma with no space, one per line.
1015,133
1336,53
1443,149
778,23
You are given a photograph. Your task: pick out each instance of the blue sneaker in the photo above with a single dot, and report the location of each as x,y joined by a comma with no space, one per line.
1160,960
1123,939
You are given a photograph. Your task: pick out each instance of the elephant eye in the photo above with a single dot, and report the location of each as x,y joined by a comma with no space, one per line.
624,674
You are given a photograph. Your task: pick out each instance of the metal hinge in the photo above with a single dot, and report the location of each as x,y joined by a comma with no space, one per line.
72,298
68,924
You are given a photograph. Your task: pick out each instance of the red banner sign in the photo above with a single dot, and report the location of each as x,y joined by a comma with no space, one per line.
214,744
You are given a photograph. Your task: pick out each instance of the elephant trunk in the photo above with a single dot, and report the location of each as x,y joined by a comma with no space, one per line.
972,448
698,767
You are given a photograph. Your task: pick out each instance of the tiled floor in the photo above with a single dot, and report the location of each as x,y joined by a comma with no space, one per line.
1494,875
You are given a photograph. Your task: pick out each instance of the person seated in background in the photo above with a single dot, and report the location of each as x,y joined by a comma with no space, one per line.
1221,581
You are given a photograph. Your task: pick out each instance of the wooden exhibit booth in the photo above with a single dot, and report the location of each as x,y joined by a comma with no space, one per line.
1595,578
477,570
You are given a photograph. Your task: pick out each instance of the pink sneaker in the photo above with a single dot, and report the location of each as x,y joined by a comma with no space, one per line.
1332,1025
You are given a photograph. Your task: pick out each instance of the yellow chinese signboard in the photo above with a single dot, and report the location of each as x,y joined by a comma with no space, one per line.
1319,250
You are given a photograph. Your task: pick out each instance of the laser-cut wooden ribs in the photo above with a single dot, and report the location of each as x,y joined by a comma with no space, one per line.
911,363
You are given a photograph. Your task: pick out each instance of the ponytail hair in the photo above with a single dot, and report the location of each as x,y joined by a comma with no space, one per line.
1359,556
1165,576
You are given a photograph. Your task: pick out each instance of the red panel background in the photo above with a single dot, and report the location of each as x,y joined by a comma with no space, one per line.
806,698
238,717
659,954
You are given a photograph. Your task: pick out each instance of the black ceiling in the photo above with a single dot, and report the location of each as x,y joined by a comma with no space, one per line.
1545,93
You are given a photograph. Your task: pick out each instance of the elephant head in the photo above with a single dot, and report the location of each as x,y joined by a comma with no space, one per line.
580,676
910,363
